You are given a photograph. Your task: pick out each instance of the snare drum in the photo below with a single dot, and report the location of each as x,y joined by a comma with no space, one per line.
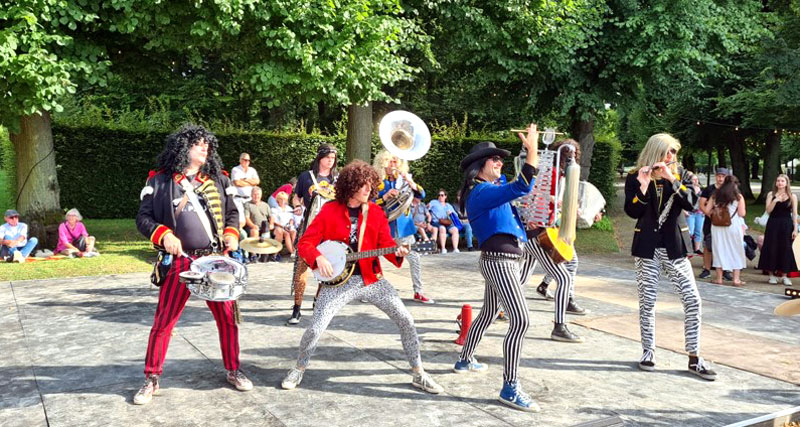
216,278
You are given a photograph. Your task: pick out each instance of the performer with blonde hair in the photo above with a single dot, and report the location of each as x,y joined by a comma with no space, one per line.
394,176
655,195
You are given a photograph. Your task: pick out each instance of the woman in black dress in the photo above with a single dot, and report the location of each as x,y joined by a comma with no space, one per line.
776,254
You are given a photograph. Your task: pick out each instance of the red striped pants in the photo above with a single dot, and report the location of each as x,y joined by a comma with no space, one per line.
171,300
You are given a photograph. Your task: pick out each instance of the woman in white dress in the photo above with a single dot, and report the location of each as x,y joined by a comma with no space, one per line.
728,249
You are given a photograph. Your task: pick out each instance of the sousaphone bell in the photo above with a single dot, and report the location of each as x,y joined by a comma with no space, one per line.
407,137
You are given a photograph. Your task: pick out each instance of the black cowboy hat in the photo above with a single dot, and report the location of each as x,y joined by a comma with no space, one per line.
481,150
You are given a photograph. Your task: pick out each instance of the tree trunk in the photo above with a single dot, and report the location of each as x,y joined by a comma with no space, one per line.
710,171
772,164
359,132
736,146
583,132
754,169
37,184
689,163
721,156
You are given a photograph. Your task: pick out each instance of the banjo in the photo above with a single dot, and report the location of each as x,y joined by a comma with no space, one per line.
343,259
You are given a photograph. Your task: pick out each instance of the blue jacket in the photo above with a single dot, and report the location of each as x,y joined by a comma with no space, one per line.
490,212
403,226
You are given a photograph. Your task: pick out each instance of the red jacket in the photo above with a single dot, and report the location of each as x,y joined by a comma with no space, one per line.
333,223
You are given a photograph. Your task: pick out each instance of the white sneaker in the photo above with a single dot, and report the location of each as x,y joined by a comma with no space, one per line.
292,379
424,381
786,281
18,257
773,280
455,251
444,251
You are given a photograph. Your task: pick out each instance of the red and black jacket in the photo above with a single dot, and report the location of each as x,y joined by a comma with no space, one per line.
156,217
333,223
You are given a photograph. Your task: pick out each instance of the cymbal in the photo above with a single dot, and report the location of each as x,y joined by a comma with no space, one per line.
789,308
257,246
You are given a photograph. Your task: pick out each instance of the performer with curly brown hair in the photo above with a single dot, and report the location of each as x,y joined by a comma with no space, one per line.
187,208
362,225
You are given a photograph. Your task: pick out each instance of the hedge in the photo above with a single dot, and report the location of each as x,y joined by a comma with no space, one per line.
603,174
102,171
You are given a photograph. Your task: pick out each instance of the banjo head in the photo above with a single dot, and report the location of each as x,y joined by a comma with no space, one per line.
336,253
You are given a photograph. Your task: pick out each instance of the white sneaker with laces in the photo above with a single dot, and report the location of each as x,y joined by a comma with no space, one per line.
424,381
239,380
292,379
786,281
455,251
18,257
773,280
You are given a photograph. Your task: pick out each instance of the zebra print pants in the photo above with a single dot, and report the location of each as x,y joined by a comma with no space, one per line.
679,271
532,254
501,272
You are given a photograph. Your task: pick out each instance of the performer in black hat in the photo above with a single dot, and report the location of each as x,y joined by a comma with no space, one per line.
499,231
310,184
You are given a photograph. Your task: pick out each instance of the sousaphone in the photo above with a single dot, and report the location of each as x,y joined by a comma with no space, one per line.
407,137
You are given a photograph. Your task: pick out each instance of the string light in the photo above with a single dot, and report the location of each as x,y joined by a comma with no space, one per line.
737,127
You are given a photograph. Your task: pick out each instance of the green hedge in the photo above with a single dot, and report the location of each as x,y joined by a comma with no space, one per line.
102,171
603,175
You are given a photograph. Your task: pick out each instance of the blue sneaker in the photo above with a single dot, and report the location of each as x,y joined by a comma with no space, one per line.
472,365
513,396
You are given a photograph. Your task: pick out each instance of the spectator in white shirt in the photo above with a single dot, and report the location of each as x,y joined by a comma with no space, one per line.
244,179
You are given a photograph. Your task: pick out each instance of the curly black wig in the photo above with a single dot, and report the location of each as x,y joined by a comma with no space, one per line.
175,156
352,177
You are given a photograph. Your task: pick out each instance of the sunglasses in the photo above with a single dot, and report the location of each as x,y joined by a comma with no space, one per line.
673,151
497,159
245,160
443,195
12,217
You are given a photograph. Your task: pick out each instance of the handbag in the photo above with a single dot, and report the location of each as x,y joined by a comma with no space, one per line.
456,221
720,216
446,222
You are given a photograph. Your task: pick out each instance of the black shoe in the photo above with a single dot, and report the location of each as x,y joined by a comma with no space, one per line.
705,274
698,252
471,248
295,319
699,367
276,257
544,292
561,333
727,275
647,365
264,258
574,308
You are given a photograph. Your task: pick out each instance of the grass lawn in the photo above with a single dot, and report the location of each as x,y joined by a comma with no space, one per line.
754,211
122,248
597,240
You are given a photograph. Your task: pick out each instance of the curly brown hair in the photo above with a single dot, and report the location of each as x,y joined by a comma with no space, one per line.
352,177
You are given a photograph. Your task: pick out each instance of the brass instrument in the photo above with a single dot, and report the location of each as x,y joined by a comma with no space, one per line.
407,137
540,207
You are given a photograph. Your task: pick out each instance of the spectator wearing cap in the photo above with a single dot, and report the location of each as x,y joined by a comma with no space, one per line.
73,239
705,195
16,246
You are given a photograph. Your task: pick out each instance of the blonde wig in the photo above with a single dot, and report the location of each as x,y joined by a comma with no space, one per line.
656,150
382,160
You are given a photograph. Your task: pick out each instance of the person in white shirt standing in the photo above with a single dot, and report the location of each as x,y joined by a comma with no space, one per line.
16,246
244,179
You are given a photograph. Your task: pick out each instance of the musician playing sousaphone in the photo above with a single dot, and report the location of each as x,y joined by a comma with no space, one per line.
361,224
187,208
314,187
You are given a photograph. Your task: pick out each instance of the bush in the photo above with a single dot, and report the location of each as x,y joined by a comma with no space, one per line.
603,175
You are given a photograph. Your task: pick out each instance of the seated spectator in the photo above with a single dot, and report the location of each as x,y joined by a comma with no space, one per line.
286,188
299,211
422,220
16,246
440,218
285,228
256,212
465,226
73,239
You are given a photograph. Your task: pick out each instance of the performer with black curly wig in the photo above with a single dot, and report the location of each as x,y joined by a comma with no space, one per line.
187,209
362,225
312,184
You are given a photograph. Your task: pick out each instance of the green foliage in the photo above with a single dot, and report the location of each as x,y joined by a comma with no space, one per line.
85,154
604,224
605,159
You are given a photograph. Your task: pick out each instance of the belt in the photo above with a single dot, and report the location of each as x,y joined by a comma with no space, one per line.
200,252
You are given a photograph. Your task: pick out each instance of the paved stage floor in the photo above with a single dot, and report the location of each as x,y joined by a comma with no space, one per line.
73,354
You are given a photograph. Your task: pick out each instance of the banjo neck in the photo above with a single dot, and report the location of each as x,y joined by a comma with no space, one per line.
369,254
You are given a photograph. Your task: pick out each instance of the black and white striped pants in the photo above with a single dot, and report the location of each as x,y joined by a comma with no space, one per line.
679,271
501,273
572,269
532,254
